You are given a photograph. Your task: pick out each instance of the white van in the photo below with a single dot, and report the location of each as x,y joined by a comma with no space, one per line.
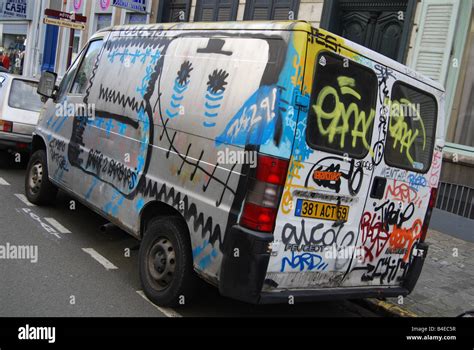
272,159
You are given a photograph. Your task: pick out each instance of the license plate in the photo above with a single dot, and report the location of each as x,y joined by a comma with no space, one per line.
320,210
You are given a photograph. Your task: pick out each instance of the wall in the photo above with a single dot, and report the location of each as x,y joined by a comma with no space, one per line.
311,11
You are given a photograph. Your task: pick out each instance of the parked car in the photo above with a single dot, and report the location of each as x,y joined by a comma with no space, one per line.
274,160
20,105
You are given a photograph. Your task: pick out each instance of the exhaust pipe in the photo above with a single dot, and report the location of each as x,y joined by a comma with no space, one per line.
108,227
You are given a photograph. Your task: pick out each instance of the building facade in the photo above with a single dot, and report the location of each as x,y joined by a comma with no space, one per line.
433,36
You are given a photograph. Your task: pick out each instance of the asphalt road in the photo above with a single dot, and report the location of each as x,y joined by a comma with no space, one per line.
82,271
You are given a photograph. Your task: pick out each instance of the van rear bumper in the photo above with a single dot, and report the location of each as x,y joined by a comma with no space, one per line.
245,261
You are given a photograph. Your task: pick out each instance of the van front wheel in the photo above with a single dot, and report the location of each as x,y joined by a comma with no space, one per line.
38,189
166,262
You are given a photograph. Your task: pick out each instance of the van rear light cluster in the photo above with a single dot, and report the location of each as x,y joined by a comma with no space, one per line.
429,211
264,193
6,126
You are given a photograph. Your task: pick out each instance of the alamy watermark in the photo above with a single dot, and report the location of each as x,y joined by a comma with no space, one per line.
67,109
21,252
228,156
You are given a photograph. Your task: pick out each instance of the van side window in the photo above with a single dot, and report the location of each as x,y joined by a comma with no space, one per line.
411,128
343,103
85,70
67,78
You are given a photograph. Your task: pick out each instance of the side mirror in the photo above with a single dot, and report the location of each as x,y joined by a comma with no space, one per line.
47,84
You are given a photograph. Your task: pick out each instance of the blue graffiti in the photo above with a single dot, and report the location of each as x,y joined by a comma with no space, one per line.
254,123
133,56
181,84
140,204
416,181
114,204
291,119
214,94
143,88
308,261
91,188
211,105
207,259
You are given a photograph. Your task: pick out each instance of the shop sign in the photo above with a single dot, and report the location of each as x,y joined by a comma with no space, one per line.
16,9
131,5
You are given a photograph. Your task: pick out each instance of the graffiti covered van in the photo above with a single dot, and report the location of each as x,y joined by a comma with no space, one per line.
342,158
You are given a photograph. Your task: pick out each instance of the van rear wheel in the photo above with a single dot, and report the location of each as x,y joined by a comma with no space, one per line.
38,189
166,262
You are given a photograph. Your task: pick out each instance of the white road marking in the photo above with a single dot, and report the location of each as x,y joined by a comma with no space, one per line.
99,258
51,230
24,199
57,225
4,182
165,310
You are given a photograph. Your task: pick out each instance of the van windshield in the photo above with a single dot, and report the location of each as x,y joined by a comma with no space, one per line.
23,95
343,103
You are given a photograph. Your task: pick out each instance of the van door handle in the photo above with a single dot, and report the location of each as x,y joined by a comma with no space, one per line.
378,187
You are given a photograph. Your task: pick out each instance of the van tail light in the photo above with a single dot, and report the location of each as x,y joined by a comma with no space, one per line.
264,193
431,205
6,126
21,145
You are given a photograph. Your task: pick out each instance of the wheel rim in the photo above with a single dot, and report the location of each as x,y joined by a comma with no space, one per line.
161,263
35,177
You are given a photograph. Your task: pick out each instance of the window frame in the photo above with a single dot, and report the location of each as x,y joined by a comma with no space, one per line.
81,56
250,5
435,126
164,10
199,7
319,148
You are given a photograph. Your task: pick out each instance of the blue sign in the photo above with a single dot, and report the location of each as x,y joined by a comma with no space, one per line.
16,9
132,5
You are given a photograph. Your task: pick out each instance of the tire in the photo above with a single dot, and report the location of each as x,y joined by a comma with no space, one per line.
166,262
38,189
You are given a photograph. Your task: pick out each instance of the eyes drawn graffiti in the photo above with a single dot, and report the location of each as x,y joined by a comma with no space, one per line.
215,90
180,85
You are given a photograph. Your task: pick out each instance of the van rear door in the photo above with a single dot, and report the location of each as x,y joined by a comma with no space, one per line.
339,211
407,164
329,175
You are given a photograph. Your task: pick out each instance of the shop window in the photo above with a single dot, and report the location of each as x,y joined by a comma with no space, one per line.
103,20
135,18
174,11
13,39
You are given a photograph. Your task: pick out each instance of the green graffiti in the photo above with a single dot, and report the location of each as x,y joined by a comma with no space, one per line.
343,119
403,134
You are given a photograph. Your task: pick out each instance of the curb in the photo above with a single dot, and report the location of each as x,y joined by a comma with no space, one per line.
386,308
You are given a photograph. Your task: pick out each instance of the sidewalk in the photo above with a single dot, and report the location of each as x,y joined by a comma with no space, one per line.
446,284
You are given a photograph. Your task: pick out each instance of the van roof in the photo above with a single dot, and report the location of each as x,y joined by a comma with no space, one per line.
295,25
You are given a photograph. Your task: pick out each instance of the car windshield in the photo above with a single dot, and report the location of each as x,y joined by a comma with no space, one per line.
23,95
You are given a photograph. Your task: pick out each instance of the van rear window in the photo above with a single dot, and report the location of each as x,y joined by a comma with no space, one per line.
343,102
411,129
